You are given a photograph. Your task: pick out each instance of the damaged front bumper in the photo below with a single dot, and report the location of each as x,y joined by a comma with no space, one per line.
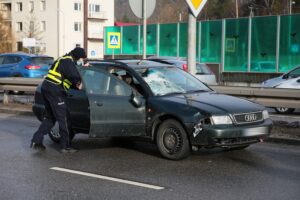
229,135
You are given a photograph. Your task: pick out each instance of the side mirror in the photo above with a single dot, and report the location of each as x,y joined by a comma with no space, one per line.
285,76
136,101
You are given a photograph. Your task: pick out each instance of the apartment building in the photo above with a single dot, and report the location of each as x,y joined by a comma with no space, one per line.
60,25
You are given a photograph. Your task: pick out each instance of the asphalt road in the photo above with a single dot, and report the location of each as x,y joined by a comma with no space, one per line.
263,171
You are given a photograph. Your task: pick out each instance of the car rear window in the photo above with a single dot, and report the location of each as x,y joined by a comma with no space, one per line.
202,69
42,60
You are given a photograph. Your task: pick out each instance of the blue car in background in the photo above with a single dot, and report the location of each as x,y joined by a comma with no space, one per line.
24,65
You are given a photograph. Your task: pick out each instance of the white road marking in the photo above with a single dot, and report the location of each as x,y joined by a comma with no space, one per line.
109,178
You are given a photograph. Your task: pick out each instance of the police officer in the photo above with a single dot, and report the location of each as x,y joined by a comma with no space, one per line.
62,75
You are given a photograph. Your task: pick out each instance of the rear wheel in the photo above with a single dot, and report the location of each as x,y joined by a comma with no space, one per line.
172,140
284,110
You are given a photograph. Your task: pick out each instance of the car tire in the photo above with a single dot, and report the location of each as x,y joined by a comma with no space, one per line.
16,92
172,140
55,136
284,110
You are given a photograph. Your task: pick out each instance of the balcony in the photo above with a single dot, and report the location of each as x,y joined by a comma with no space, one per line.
95,35
97,15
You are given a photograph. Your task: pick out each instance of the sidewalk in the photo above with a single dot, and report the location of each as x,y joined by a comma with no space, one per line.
284,131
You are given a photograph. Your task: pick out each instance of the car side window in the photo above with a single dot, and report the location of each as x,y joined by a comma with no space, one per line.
102,83
1,59
295,73
11,59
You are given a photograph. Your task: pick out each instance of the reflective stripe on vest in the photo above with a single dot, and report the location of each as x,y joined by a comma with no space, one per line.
56,77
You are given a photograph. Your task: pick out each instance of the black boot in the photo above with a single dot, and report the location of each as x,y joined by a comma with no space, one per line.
37,146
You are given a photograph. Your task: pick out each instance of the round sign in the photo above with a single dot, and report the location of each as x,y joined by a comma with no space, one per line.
137,7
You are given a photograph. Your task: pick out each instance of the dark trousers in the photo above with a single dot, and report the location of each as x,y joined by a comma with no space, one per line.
55,110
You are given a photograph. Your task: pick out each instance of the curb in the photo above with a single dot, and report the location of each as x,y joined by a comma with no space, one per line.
283,141
16,111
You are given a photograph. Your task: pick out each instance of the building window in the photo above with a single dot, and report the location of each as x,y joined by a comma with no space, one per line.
19,46
77,6
31,26
43,25
97,8
31,6
94,7
19,7
77,26
19,26
43,5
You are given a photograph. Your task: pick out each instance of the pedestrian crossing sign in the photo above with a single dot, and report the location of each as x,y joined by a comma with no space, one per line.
114,40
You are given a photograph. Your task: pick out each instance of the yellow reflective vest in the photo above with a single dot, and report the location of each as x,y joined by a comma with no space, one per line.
55,77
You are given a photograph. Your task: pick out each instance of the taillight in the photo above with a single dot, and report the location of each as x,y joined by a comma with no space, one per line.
32,67
185,67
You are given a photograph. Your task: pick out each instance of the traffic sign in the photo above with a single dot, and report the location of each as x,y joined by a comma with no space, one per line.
114,40
196,6
137,7
29,42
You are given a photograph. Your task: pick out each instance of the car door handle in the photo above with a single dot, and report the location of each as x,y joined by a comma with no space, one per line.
98,103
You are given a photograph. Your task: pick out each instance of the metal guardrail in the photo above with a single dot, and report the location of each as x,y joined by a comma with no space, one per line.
18,84
268,97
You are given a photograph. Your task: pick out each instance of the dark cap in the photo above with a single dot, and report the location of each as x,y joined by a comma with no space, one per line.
78,53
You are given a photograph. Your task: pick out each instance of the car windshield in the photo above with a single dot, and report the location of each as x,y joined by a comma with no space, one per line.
202,69
171,80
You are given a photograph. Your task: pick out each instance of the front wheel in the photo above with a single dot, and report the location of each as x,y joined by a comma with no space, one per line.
284,110
55,136
172,140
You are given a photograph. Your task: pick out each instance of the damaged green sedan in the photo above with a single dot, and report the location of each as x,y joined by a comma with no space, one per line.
163,104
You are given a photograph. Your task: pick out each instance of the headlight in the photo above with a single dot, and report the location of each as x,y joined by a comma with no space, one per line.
265,114
221,120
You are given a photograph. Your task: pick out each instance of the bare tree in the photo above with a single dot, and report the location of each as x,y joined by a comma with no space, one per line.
32,29
6,36
263,5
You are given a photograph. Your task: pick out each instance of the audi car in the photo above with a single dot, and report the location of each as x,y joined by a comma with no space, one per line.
162,104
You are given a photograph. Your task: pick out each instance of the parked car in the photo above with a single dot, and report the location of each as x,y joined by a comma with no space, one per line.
161,103
293,83
294,73
203,73
262,66
287,80
24,65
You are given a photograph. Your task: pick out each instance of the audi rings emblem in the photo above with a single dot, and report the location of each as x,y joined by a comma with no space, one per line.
250,117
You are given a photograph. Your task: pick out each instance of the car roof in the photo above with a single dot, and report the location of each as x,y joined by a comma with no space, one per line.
164,58
24,54
132,63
